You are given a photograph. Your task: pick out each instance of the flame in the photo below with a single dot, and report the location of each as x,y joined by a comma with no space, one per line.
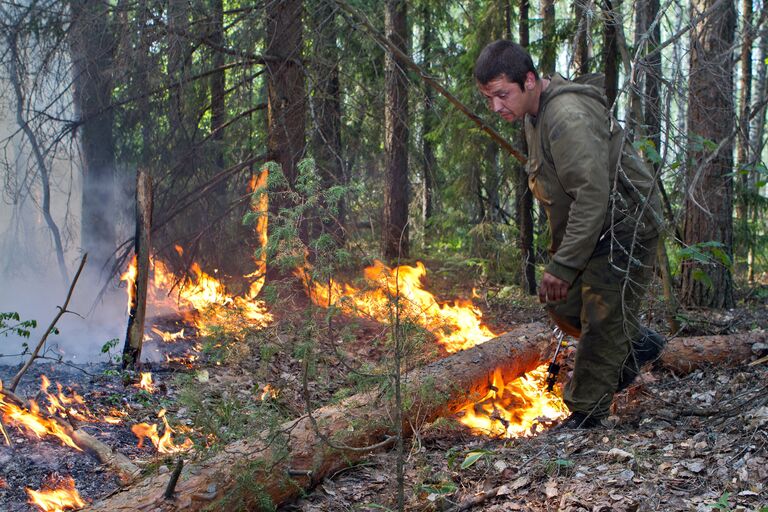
269,391
129,276
146,382
32,421
260,206
66,406
168,337
514,409
457,325
62,498
164,443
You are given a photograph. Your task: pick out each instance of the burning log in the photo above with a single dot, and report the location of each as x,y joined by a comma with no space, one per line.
138,306
362,423
359,422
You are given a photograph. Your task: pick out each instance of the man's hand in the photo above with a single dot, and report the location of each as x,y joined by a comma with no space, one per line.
552,289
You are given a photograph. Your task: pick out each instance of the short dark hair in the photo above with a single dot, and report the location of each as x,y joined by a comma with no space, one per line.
504,57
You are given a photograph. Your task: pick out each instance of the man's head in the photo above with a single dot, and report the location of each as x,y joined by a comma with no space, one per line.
507,78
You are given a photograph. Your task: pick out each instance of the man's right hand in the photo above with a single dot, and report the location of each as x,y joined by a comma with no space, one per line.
552,289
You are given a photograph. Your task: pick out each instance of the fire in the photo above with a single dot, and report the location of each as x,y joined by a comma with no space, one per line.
146,382
514,409
457,325
129,276
168,337
66,406
62,498
164,443
269,392
32,421
259,206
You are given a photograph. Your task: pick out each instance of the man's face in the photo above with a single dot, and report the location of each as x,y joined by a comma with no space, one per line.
507,98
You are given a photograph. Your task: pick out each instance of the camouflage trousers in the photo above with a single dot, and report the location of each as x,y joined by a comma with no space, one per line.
601,309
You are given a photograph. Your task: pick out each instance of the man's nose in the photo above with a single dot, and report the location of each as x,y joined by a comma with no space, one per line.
496,104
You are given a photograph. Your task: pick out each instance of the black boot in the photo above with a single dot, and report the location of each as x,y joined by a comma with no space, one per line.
645,348
578,421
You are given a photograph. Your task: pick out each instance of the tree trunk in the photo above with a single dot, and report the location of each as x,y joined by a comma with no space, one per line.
286,89
523,195
549,39
92,45
612,14
395,242
743,146
684,355
709,194
427,125
250,472
326,134
582,35
218,84
134,338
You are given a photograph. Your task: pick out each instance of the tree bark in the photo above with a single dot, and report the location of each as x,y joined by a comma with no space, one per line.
612,16
523,195
287,104
134,338
549,51
326,133
581,37
395,240
684,355
709,188
264,464
427,125
92,46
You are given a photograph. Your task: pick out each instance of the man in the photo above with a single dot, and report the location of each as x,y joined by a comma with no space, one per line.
603,212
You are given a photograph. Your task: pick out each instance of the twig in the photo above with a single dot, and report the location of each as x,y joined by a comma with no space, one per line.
62,310
174,479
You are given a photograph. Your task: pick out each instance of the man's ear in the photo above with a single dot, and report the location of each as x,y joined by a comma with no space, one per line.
530,80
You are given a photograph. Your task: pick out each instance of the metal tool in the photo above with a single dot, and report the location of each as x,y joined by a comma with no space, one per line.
554,367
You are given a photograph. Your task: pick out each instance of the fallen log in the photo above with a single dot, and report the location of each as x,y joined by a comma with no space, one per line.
253,473
276,467
684,355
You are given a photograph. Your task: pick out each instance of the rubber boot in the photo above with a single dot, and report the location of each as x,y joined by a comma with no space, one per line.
645,348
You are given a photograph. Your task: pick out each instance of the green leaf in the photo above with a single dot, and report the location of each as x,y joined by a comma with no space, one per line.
441,489
701,276
473,457
564,463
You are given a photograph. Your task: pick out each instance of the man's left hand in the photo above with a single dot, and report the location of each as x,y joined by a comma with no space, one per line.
552,289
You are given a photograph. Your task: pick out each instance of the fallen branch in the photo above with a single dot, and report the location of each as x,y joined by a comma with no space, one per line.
125,469
62,310
279,465
250,470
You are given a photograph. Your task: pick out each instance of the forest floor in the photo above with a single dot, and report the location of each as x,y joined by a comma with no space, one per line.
694,442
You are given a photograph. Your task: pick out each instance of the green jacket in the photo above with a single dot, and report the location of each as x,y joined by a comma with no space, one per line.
595,188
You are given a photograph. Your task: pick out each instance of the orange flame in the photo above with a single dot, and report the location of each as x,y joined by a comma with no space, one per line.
456,325
164,443
62,498
66,406
260,206
146,382
514,409
32,421
269,391
129,276
168,337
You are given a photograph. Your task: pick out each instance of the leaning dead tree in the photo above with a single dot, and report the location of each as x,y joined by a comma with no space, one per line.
274,467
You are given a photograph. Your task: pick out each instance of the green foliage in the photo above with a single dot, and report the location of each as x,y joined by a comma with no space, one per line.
722,502
11,323
474,456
